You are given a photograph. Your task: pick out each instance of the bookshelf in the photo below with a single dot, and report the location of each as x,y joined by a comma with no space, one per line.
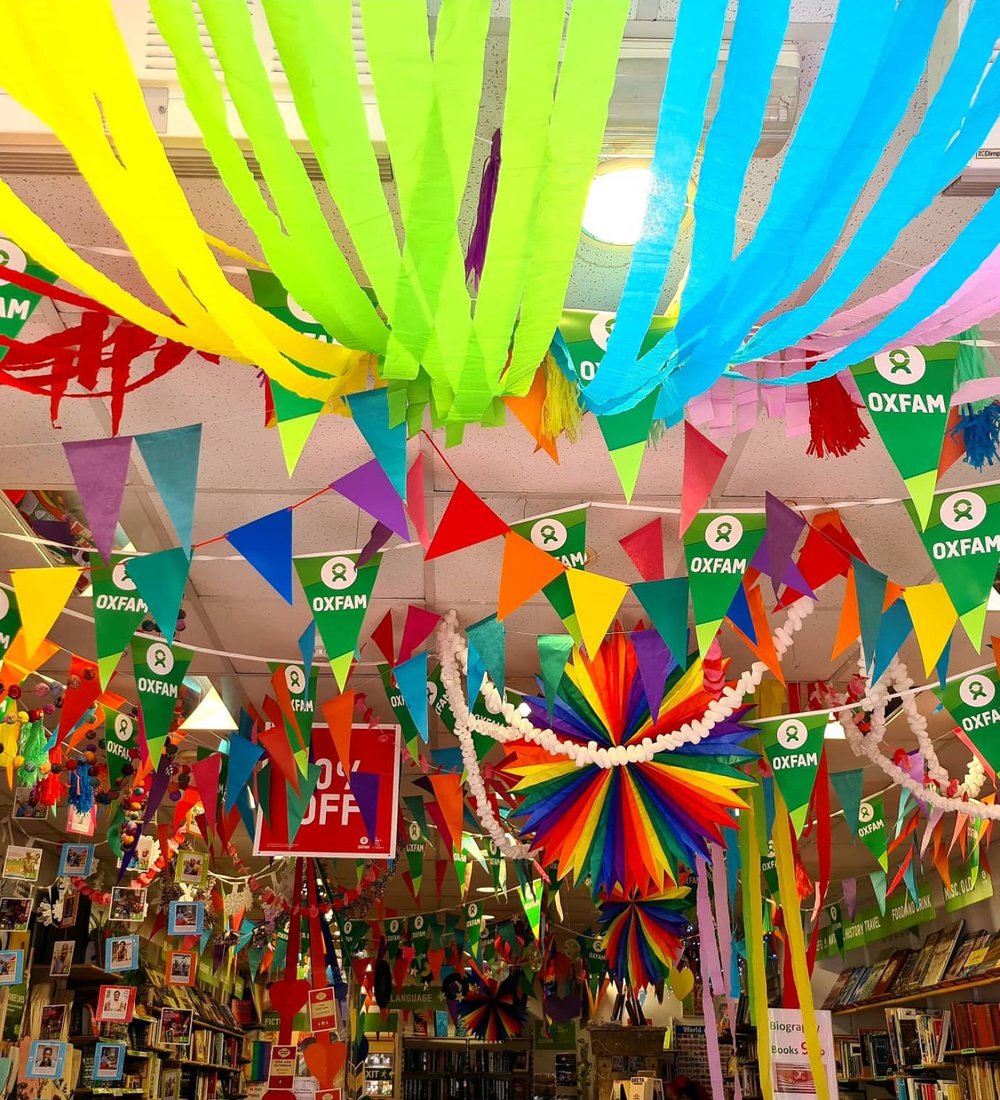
465,1069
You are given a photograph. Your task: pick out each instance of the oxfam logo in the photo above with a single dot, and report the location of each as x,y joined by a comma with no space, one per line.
724,533
792,734
338,573
549,534
473,911
901,366
295,679
160,659
963,511
866,813
11,256
4,604
977,691
414,831
418,922
123,727
121,579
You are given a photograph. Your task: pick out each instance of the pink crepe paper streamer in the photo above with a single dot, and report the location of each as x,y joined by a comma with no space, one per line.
932,821
710,978
850,888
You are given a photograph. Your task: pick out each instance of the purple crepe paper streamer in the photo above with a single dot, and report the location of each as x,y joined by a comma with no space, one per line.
475,258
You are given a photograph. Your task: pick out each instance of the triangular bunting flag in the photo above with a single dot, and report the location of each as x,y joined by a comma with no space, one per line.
411,679
339,715
118,611
848,786
596,600
10,621
82,690
100,469
365,787
666,604
877,879
656,662
293,436
870,586
553,653
371,490
160,579
793,747
933,617
172,457
370,410
528,410
382,638
849,624
826,553
871,829
524,571
973,703
416,506
266,544
466,522
625,435
41,596
417,629
207,774
645,549
893,631
489,639
561,534
159,670
703,463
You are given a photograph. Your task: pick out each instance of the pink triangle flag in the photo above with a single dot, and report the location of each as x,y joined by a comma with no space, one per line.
370,489
703,463
416,630
100,468
415,504
645,547
206,777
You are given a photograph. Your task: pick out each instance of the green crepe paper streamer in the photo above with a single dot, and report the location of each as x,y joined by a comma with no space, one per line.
429,109
315,46
576,130
298,243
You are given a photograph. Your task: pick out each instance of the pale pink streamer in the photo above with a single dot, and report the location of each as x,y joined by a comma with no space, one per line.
710,977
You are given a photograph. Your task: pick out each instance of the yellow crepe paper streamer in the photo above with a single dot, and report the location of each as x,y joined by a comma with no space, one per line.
785,866
66,58
752,919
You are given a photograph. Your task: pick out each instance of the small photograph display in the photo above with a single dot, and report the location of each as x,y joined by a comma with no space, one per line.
192,868
14,914
121,953
52,1022
109,1061
11,967
115,1004
45,1059
22,863
76,860
62,958
187,918
128,904
182,967
175,1026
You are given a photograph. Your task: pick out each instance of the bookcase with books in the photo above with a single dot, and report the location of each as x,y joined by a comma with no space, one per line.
465,1069
932,1043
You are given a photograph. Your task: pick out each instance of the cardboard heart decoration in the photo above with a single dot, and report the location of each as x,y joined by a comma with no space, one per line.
681,982
326,1061
288,996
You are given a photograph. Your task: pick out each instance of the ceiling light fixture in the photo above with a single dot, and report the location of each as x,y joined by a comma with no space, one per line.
834,730
616,203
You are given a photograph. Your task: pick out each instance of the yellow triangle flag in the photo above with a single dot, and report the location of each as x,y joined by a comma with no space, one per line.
41,595
933,618
294,434
974,623
341,667
596,600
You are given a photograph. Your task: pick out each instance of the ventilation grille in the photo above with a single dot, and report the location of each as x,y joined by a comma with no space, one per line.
157,53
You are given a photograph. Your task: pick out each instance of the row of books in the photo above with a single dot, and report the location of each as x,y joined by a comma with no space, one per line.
463,1088
207,1086
975,1025
917,1036
205,1007
978,1078
463,1061
948,955
866,1055
920,1088
215,1047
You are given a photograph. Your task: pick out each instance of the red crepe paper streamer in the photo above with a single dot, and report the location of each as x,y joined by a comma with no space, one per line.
835,428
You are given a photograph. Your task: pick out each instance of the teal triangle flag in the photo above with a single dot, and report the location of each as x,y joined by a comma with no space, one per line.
870,585
307,646
553,653
878,885
161,578
895,628
172,456
848,788
266,544
489,638
411,679
666,604
910,878
370,410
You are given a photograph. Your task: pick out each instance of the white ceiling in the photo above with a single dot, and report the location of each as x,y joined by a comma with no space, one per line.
242,473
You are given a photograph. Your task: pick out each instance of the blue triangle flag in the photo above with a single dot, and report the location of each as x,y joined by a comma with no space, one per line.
266,543
411,679
739,614
894,629
388,444
307,647
243,757
475,671
171,457
489,638
161,578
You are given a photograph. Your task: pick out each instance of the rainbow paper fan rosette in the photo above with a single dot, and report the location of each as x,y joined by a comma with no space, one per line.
630,827
493,1011
643,935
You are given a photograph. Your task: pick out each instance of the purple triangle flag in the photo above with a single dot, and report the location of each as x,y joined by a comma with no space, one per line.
266,543
371,490
380,535
655,665
784,525
365,788
100,469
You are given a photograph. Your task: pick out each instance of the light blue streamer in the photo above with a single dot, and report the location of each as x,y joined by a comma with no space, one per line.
693,60
934,156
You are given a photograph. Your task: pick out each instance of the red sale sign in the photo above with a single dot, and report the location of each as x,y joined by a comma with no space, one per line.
333,824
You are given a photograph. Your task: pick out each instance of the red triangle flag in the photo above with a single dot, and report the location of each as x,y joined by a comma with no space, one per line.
525,570
466,522
279,750
382,637
416,630
703,463
645,548
206,778
825,554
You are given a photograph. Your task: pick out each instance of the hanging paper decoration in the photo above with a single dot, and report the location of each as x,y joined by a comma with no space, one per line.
703,463
793,747
411,678
473,913
369,488
596,601
10,621
296,696
41,596
962,539
718,547
159,671
563,535
121,737
524,571
908,393
161,579
631,825
493,1011
467,520
411,734
372,415
338,591
266,544
643,934
172,458
871,829
933,617
626,434
100,469
118,611
644,547
973,703
414,852
553,653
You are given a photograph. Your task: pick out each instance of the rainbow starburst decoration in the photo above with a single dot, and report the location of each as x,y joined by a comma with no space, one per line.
493,1011
642,935
630,827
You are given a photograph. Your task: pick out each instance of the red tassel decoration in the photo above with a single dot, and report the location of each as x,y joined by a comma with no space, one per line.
835,428
49,791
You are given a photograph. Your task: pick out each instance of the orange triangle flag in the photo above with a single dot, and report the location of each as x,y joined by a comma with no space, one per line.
339,715
528,410
933,617
41,596
596,600
18,663
524,571
466,521
449,805
849,627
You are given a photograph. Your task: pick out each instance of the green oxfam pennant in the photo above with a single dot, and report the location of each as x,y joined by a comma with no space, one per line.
17,305
121,736
159,670
586,336
10,620
474,929
871,829
908,392
437,700
414,849
302,696
118,611
718,548
562,535
338,593
973,703
963,540
793,747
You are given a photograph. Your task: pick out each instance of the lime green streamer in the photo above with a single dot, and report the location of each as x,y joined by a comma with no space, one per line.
297,241
429,110
313,39
579,115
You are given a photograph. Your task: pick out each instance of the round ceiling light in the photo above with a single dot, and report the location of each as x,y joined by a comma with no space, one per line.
616,203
